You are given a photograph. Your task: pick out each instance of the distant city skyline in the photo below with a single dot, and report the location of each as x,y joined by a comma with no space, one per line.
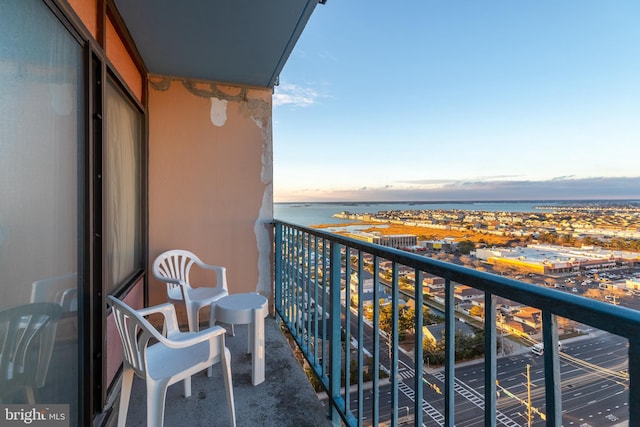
461,101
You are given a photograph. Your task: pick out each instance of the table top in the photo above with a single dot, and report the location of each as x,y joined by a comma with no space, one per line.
238,308
249,301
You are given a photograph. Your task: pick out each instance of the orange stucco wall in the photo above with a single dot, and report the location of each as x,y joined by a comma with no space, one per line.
87,11
210,178
120,58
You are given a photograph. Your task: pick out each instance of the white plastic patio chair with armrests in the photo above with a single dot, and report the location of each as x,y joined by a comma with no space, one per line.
173,267
165,360
62,290
23,334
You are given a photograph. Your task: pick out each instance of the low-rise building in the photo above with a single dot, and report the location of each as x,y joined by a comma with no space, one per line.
548,259
436,332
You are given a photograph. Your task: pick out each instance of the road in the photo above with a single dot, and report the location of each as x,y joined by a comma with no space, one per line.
592,393
592,396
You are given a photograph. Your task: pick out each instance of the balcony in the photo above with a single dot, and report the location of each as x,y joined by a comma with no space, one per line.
311,268
285,399
317,274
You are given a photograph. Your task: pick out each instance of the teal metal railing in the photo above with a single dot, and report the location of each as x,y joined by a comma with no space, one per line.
321,283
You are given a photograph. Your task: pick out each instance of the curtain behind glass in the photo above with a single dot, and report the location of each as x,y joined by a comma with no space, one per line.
41,88
122,189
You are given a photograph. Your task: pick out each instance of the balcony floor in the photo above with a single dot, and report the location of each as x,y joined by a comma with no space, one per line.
286,398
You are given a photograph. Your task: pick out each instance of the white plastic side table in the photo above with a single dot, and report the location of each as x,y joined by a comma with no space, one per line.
246,309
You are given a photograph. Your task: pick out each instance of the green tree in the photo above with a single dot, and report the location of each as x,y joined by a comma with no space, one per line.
406,321
466,347
466,246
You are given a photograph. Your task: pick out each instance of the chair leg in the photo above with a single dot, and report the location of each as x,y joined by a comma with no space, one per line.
125,395
212,323
225,357
30,395
156,396
187,386
192,318
257,347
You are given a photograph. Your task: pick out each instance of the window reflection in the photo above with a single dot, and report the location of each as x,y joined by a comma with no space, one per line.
41,142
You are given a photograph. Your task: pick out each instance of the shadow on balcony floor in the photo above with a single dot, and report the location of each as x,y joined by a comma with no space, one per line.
286,398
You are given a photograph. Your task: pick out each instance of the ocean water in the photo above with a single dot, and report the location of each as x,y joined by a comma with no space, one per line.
307,214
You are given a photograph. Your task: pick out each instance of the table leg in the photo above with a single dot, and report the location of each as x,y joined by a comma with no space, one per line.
256,329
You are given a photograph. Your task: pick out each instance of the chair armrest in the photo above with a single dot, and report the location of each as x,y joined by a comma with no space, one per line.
221,273
169,313
187,339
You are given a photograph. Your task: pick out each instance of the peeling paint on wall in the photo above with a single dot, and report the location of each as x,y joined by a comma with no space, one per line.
218,113
259,111
262,229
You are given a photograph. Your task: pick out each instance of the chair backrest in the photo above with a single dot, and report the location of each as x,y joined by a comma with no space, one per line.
20,331
62,290
135,332
174,264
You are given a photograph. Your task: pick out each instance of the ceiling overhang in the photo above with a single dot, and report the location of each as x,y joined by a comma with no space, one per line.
243,42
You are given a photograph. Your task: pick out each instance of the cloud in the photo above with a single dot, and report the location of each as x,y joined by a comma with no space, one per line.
440,181
290,94
490,188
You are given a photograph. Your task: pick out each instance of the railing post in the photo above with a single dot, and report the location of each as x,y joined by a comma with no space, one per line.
553,393
418,352
490,364
634,381
393,343
360,339
449,353
335,343
376,342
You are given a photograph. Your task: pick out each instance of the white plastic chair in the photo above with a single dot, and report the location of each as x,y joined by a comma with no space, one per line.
23,332
62,290
173,358
172,267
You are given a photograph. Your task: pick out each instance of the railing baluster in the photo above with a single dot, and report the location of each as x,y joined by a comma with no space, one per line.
334,343
449,352
490,357
376,343
418,349
553,394
360,340
393,343
634,380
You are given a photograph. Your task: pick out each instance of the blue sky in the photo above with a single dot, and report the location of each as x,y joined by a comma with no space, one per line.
461,100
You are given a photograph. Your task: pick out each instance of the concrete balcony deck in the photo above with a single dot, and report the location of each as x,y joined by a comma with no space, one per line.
286,398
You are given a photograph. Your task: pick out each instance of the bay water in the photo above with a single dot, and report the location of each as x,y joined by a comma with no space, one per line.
308,214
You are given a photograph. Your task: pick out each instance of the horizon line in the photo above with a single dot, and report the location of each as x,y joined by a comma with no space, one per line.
463,201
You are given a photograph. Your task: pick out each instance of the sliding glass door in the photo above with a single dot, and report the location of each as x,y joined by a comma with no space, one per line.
42,92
